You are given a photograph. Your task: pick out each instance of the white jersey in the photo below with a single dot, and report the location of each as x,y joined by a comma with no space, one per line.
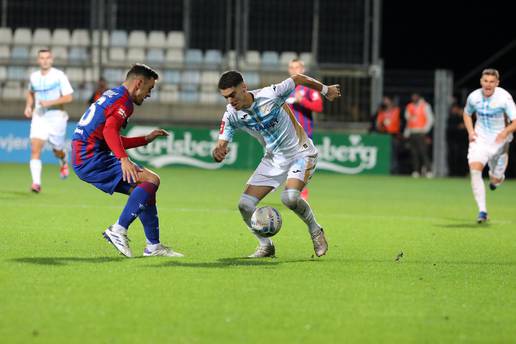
490,112
50,86
271,122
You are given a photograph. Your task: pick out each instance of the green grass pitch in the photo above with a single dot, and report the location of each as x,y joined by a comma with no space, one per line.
60,282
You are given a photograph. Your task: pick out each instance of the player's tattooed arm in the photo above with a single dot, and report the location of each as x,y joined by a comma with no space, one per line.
154,134
331,92
220,151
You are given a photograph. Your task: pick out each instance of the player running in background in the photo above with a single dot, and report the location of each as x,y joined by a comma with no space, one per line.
489,139
290,154
303,101
49,90
99,158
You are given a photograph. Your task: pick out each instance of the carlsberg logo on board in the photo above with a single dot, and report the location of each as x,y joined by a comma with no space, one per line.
351,159
172,150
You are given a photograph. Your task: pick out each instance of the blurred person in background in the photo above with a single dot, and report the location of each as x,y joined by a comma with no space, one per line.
303,102
388,121
489,139
420,119
101,88
49,90
457,139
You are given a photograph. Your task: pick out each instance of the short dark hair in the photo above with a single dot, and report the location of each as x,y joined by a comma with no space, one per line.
140,69
231,78
44,50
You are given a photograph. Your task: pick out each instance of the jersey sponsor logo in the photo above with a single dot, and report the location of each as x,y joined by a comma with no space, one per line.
222,125
269,125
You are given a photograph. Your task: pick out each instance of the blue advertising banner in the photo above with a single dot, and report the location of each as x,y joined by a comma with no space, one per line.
15,142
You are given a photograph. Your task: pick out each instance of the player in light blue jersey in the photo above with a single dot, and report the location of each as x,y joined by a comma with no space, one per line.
49,90
490,137
290,154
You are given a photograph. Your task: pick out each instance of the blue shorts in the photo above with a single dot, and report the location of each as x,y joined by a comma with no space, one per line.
103,171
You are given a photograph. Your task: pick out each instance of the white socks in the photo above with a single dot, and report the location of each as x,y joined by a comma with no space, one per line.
118,228
292,199
35,170
247,205
479,190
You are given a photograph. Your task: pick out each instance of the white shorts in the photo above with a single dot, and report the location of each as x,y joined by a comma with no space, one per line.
50,127
268,173
491,153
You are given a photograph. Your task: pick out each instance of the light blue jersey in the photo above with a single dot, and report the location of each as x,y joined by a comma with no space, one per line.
271,122
50,86
490,111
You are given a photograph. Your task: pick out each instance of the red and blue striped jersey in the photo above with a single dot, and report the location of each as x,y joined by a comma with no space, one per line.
311,101
98,129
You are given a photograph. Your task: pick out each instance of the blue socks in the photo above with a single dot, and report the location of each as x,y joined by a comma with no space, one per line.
142,203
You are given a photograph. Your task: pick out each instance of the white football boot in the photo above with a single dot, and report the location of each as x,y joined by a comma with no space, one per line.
264,251
161,250
118,239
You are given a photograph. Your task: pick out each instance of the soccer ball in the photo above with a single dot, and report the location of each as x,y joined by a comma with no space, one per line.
266,221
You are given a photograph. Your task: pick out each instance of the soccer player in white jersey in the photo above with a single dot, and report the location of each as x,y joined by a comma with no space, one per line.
49,90
289,154
489,139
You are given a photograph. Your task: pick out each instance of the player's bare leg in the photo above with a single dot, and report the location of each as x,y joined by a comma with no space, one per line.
36,146
62,156
291,197
252,195
479,191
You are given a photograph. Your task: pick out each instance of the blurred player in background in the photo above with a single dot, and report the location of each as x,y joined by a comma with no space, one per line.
99,158
101,88
49,90
489,139
303,102
290,154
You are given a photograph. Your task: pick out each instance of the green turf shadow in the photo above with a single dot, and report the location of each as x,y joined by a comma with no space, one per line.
66,260
224,263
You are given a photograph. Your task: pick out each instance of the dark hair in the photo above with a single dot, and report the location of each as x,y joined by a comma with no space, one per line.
44,50
229,79
140,69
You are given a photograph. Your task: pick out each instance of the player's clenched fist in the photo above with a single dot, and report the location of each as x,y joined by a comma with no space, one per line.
219,153
333,92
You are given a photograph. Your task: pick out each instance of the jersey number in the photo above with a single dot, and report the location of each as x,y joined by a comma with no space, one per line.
88,115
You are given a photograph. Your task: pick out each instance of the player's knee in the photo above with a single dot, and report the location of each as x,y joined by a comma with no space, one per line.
152,178
247,204
290,198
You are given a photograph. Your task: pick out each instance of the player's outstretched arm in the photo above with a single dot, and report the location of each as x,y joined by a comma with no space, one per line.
155,133
330,92
220,151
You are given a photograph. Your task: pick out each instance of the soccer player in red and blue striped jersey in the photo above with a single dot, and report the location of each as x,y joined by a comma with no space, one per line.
303,102
99,158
